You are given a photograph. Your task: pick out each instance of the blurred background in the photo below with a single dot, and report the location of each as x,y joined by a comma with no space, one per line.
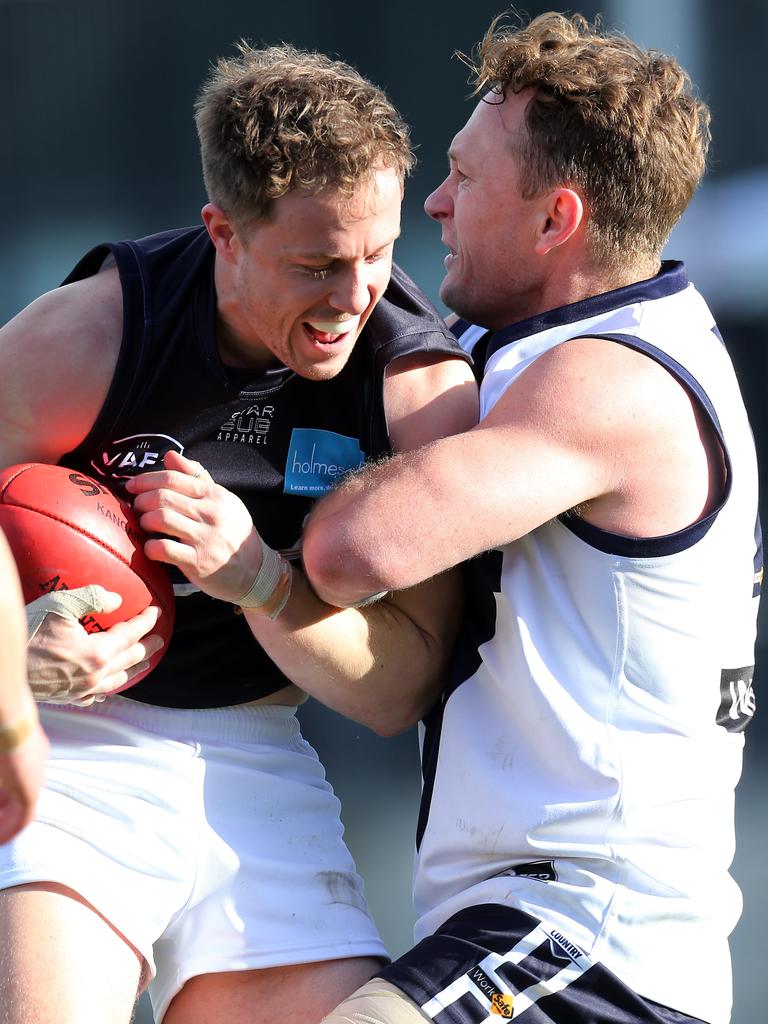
99,143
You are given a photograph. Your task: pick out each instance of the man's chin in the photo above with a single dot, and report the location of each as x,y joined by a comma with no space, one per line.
456,300
325,370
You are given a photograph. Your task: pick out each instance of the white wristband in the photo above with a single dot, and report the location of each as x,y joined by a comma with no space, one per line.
271,589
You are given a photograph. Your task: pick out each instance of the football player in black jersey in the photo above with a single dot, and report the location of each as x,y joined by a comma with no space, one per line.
186,835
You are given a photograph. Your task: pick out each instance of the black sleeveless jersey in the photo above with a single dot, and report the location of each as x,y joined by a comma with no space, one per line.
277,440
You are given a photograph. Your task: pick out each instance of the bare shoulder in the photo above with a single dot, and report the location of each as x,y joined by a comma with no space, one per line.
57,359
427,397
656,463
591,389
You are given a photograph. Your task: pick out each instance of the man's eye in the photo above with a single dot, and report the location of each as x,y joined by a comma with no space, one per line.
318,273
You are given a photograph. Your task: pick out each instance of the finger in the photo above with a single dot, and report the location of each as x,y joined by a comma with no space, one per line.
116,640
174,523
81,702
73,604
166,481
99,598
121,670
175,460
200,507
132,662
172,552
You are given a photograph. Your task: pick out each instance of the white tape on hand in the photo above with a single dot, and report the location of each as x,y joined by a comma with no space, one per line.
69,604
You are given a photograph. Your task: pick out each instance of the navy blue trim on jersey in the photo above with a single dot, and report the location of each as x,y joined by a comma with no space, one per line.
671,543
672,278
458,327
757,587
718,335
494,961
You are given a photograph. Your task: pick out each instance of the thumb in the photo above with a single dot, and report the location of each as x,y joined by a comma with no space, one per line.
71,604
93,598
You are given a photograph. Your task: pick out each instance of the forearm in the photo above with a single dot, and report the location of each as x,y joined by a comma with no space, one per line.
384,528
16,703
381,665
23,746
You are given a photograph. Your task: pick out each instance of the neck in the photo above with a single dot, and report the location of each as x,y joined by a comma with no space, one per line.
238,346
574,284
587,282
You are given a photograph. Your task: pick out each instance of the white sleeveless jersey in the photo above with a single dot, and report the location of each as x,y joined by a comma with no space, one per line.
584,763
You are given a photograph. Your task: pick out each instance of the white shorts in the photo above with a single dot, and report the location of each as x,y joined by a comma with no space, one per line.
210,839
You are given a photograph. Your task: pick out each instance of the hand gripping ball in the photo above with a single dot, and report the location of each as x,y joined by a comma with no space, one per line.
66,530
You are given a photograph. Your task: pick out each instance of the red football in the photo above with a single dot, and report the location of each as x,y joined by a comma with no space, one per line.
67,530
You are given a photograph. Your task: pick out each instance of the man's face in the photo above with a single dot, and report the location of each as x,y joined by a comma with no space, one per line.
491,277
302,283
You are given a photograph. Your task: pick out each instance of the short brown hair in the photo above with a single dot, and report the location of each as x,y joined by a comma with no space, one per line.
617,123
274,120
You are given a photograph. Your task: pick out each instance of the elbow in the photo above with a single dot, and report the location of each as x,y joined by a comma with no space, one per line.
342,570
328,570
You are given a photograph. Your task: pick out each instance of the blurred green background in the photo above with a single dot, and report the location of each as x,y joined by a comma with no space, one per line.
99,143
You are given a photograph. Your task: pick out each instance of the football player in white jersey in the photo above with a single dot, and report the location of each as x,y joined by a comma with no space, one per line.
576,827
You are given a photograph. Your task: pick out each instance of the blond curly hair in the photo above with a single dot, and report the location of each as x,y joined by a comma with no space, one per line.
273,120
619,124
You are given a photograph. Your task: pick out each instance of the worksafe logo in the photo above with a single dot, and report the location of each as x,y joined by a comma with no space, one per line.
318,459
137,453
501,1002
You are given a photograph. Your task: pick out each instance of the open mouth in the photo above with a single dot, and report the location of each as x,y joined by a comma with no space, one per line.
328,332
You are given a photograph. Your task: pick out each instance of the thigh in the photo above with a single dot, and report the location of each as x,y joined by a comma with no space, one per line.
61,962
111,824
302,992
278,888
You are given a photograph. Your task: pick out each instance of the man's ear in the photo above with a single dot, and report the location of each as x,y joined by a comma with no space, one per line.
220,231
562,215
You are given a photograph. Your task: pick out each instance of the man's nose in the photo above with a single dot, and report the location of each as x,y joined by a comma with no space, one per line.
439,203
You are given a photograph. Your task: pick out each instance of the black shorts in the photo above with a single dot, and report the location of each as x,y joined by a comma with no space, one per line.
494,962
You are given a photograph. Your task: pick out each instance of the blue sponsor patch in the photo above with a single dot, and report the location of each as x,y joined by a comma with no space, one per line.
318,459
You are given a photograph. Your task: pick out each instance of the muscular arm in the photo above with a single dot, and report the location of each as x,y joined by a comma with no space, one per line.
380,665
23,746
583,426
383,664
57,358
